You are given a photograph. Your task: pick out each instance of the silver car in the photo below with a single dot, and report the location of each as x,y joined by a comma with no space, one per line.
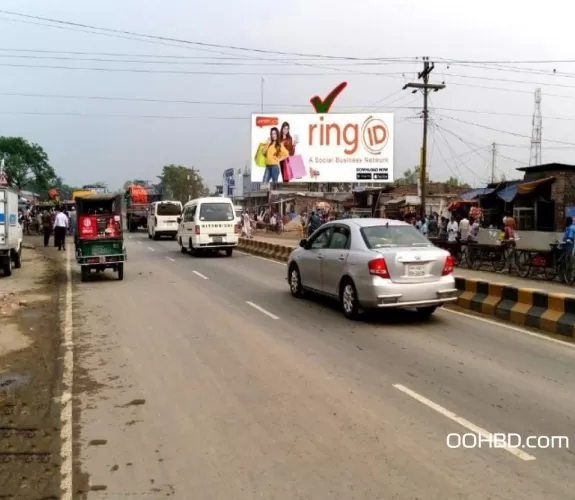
373,264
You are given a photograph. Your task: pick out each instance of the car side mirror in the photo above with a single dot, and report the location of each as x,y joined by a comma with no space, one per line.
179,220
303,243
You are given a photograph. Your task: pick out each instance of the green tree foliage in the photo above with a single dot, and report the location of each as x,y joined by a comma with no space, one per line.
26,164
182,183
410,177
455,183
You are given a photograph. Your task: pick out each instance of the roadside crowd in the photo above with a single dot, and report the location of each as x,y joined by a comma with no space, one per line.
53,221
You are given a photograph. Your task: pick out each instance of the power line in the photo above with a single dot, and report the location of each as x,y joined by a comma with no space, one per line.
179,72
174,101
502,131
179,40
501,113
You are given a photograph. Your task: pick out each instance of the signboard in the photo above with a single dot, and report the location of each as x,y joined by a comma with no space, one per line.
3,179
87,226
325,147
230,181
95,188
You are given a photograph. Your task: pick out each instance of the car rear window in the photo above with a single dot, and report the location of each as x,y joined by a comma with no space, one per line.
392,236
211,212
168,209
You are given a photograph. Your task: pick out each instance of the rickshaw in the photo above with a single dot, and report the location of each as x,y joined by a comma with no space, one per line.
98,235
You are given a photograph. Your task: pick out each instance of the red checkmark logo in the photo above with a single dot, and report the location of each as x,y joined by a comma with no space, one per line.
324,105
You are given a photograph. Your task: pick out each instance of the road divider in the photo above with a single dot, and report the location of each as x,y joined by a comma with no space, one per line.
265,249
549,312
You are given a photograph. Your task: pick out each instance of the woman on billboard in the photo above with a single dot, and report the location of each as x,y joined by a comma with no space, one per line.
289,143
274,152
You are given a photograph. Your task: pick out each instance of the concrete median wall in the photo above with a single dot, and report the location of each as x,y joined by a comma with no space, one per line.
550,312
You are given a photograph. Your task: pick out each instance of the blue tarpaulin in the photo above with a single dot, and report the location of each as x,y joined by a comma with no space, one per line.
474,193
509,193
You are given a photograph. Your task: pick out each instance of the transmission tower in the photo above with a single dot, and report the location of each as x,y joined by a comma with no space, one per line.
535,155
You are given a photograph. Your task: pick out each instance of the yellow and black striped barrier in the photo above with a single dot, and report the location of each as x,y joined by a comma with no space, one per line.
549,312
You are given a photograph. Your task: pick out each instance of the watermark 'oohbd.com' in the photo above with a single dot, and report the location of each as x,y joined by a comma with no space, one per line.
505,440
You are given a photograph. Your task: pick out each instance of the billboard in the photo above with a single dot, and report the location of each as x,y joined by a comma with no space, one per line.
322,148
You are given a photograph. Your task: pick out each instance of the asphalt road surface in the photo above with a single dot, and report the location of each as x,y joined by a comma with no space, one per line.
202,378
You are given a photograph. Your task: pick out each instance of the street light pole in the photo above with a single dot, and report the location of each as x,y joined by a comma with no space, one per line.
262,94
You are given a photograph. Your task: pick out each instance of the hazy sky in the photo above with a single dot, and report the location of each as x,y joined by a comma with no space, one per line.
86,148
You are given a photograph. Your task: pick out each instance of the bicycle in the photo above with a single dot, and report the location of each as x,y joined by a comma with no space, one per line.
561,264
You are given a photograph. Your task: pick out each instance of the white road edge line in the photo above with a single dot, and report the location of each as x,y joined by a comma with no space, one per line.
451,311
66,429
200,275
170,259
510,327
262,258
151,249
461,421
262,310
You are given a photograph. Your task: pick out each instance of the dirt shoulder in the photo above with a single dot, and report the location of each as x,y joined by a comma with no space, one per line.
29,377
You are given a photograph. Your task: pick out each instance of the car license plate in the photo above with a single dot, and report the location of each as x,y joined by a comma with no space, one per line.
217,239
415,270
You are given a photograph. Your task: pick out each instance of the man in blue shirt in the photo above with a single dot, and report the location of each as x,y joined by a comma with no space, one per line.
569,236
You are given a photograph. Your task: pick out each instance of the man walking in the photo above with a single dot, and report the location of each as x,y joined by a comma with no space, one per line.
61,224
46,226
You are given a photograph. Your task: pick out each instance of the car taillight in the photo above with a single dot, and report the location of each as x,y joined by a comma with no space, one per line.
197,230
236,228
378,267
155,221
448,266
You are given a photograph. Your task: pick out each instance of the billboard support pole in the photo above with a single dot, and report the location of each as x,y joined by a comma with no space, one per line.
425,87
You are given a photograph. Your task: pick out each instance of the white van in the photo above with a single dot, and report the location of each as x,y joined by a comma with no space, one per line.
208,224
238,212
163,219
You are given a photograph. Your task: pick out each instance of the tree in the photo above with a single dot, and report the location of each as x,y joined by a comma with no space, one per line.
410,177
26,164
455,183
182,183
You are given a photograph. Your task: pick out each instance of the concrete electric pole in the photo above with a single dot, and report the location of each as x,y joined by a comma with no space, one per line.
425,87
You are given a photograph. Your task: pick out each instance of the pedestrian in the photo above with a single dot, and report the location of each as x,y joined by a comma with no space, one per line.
46,226
61,224
247,225
452,230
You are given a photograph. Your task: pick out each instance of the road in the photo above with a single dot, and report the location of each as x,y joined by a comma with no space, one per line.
203,378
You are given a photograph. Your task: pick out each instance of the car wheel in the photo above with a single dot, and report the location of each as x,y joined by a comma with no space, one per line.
7,268
193,251
155,237
229,252
295,281
425,312
149,236
18,259
348,299
182,247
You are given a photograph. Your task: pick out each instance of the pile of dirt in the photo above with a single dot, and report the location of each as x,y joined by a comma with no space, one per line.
29,375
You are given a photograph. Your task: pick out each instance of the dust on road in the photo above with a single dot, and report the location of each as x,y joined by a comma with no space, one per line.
29,379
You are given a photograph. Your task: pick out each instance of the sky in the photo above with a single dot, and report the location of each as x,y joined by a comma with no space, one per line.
477,52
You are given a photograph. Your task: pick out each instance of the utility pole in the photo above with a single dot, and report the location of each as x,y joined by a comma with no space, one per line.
493,160
425,87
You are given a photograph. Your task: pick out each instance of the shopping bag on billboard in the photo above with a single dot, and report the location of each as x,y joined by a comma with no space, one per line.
260,158
287,174
296,166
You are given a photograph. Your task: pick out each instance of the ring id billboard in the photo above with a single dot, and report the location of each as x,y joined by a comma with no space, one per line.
328,147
